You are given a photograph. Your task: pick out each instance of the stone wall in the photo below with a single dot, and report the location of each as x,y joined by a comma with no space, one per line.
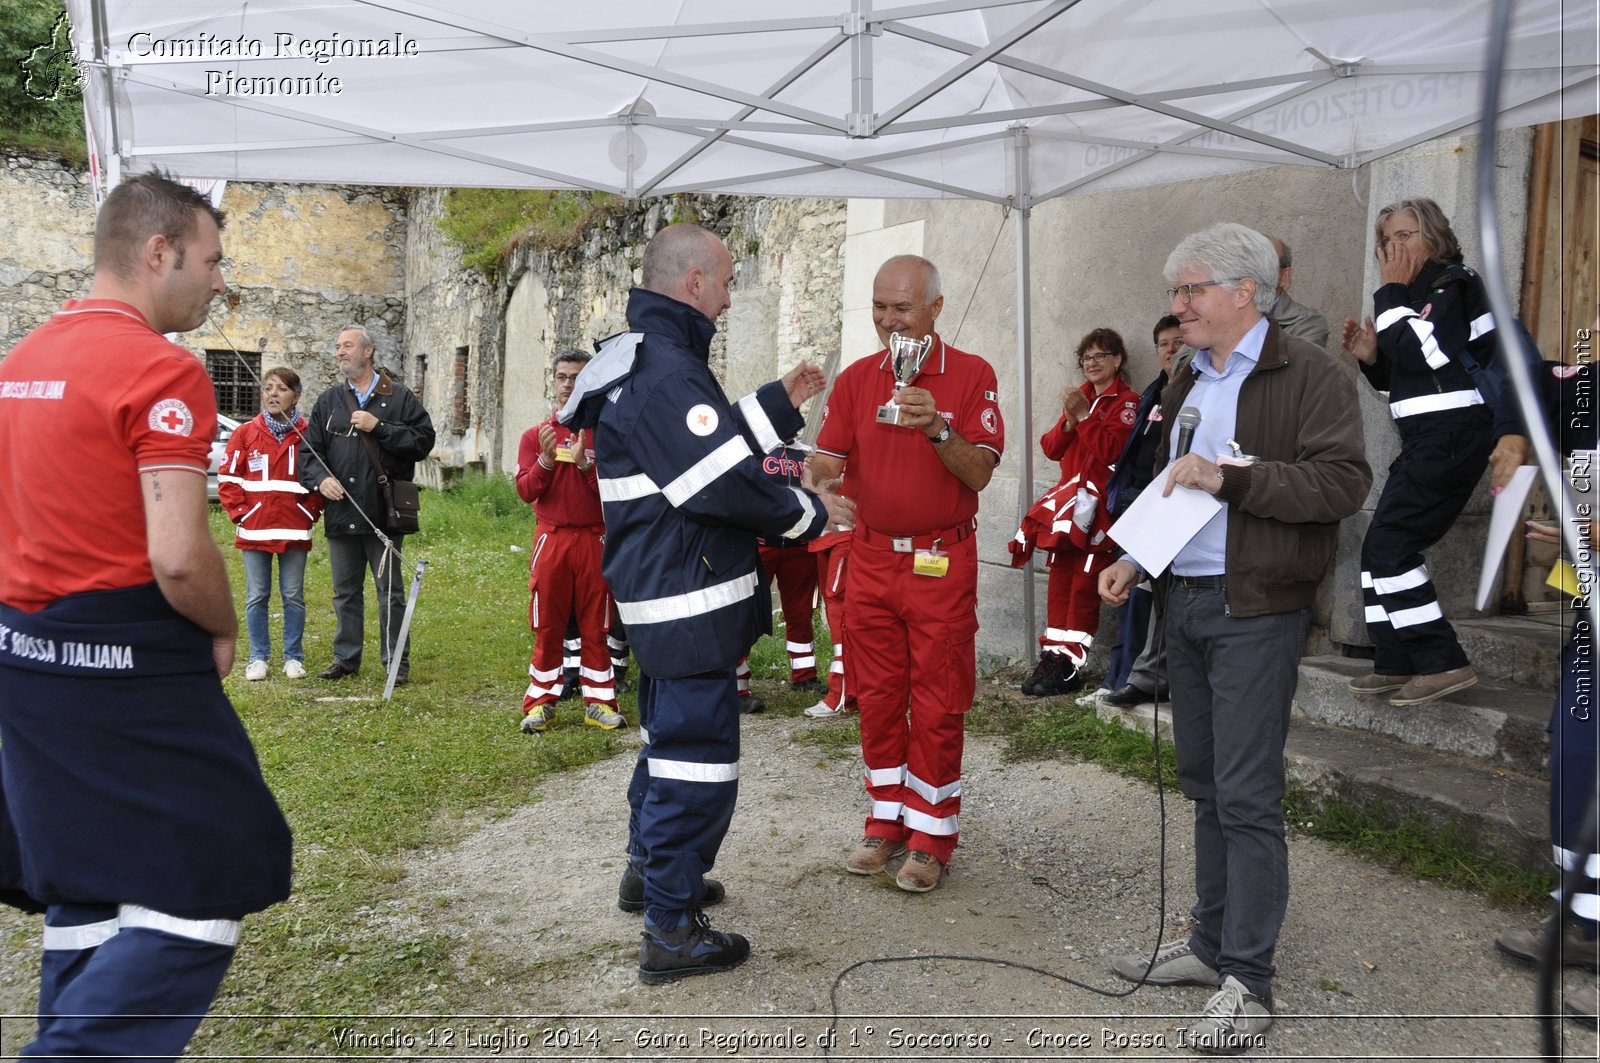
302,262
788,259
49,244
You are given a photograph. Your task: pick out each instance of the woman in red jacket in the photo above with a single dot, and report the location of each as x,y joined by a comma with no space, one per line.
259,486
1070,520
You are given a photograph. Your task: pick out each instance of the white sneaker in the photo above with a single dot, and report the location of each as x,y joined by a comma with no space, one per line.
256,672
294,669
821,711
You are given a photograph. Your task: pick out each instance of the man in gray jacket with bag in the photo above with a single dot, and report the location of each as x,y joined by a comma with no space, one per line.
365,427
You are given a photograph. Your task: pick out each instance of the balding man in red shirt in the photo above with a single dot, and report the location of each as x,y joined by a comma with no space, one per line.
913,587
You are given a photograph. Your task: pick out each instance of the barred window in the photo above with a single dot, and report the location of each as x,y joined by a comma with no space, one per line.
236,376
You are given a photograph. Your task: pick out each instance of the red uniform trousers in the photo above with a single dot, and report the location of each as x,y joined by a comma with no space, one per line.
564,575
912,644
796,572
831,564
1073,603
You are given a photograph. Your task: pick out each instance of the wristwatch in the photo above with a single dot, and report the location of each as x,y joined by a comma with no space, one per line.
942,437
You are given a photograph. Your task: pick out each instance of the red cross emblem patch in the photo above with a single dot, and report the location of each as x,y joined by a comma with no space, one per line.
171,416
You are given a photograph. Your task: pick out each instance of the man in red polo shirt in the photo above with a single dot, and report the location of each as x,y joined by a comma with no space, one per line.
133,812
913,588
555,474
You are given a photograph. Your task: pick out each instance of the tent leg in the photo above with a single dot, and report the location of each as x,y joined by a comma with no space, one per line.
1024,208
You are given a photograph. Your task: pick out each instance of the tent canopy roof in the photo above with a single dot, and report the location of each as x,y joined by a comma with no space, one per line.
807,97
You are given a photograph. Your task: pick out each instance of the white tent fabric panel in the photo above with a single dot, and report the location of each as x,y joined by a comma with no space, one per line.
806,97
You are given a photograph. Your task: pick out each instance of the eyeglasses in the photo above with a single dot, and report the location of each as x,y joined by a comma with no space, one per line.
1094,356
1186,291
1401,236
566,378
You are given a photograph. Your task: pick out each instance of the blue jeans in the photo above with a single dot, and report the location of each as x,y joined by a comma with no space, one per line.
258,589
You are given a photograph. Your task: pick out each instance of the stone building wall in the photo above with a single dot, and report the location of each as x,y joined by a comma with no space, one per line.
788,263
49,242
302,262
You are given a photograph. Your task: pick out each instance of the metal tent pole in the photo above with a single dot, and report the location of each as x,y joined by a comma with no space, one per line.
1022,193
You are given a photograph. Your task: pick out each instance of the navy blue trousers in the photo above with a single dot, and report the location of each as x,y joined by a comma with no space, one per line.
120,982
680,802
1573,756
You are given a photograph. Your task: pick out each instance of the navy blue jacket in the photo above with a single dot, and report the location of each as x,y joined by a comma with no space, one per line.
1422,330
683,491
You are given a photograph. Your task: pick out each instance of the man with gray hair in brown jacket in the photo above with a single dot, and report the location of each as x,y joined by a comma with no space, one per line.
1236,604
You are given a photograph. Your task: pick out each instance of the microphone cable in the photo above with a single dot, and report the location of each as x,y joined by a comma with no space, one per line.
1042,880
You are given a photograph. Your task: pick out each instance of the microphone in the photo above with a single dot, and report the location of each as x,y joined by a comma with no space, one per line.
1188,421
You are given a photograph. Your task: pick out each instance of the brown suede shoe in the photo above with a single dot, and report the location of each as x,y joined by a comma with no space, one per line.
873,855
1428,687
920,873
1378,684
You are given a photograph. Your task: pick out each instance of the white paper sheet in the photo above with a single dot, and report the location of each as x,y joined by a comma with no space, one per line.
1504,519
1154,529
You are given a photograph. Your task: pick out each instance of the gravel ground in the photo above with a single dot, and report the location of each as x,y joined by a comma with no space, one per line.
1371,965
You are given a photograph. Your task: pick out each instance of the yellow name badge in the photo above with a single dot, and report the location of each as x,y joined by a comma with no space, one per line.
931,563
565,454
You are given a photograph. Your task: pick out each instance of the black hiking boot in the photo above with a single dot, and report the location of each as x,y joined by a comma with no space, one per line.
688,949
630,892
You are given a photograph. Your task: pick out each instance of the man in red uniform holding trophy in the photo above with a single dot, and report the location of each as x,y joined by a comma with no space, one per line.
920,426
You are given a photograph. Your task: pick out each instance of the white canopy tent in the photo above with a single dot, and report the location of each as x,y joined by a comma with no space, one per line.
1010,101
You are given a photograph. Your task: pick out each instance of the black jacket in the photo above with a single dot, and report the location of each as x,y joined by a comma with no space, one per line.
330,448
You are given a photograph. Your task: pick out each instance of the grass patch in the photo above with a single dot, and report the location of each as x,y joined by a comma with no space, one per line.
1038,729
488,224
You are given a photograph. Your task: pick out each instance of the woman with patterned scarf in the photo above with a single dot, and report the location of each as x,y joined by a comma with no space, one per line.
259,487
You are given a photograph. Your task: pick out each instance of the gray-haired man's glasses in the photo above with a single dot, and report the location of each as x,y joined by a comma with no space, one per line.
1186,291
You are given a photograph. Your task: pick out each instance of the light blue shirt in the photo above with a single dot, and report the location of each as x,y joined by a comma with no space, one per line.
363,396
1216,395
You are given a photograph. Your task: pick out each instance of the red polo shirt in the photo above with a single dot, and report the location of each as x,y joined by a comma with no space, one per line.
563,496
88,401
900,485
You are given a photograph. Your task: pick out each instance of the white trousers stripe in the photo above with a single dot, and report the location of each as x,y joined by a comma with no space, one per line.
1403,582
1422,614
692,771
887,810
933,794
223,932
932,824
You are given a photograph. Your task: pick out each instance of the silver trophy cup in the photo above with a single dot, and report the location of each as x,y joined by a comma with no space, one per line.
906,356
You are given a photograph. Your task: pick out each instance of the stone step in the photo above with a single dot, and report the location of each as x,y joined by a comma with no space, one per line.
1522,650
1501,724
1492,811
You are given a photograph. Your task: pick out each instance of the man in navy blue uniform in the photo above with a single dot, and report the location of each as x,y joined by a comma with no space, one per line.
684,499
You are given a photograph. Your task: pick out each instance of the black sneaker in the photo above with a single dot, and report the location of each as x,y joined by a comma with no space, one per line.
571,685
809,686
750,704
630,891
690,948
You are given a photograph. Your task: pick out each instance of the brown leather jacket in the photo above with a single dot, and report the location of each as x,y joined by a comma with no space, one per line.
1299,414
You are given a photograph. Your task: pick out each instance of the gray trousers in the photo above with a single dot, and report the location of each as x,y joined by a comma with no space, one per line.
1149,668
1233,679
351,557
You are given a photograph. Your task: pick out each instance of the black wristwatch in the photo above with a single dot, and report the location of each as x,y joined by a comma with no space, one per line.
942,437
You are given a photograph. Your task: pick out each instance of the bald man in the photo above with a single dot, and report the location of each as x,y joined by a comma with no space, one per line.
684,498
